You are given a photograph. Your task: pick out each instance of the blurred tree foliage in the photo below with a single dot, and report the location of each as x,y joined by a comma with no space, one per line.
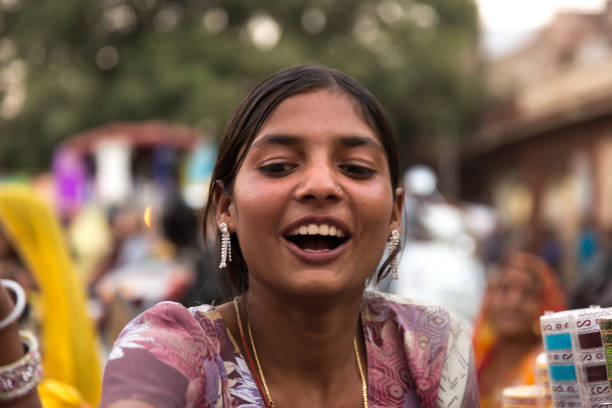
70,65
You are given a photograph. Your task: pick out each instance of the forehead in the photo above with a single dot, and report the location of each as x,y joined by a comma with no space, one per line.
321,112
520,276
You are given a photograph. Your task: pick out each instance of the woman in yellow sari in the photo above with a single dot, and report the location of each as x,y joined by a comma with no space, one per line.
72,373
506,335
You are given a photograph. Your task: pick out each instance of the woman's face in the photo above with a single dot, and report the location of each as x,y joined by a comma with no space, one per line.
312,203
515,303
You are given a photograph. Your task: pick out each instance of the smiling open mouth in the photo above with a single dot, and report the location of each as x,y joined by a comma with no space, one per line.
314,238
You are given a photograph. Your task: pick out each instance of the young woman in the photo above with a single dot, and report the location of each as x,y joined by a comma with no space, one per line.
305,198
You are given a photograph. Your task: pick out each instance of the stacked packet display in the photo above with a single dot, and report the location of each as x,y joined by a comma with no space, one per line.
576,358
606,338
557,341
589,356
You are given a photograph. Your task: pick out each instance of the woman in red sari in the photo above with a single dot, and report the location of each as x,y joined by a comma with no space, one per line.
506,335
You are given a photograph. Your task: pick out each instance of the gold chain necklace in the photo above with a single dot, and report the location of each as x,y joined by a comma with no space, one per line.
364,384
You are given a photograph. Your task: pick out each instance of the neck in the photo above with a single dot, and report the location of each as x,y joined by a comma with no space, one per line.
305,341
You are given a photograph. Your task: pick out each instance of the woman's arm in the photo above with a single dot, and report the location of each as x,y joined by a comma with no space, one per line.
12,350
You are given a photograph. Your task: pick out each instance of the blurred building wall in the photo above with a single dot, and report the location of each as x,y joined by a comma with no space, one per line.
543,156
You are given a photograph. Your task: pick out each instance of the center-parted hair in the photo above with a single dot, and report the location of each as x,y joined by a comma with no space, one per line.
251,115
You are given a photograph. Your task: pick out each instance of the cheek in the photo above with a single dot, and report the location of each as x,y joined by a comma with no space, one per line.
495,304
252,208
531,308
376,207
256,205
502,302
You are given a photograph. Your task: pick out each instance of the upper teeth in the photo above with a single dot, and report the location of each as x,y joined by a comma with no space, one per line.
321,229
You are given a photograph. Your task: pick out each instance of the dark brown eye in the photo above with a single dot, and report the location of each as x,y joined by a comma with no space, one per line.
277,169
357,171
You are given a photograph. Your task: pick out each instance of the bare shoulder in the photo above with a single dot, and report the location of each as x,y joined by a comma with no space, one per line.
228,313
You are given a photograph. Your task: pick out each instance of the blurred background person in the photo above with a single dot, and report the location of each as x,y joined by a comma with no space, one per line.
596,287
507,333
129,243
180,226
153,258
440,263
588,246
41,262
551,249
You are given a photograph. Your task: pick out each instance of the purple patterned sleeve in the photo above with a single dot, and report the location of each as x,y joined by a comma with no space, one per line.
470,397
418,355
458,381
163,357
138,375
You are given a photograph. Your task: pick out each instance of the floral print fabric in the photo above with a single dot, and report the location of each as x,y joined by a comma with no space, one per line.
169,356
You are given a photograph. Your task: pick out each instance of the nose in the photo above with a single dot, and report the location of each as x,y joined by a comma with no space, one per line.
319,183
514,295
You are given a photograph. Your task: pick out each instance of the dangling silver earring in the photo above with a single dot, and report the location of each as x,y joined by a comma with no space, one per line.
226,245
394,240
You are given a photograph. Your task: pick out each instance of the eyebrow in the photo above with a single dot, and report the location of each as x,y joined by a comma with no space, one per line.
356,141
279,139
291,140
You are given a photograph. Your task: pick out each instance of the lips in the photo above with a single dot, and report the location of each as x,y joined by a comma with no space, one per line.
317,239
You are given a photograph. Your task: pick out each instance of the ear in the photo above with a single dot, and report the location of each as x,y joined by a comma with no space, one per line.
398,206
224,205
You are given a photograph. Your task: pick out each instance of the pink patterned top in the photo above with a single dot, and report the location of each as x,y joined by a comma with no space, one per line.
169,356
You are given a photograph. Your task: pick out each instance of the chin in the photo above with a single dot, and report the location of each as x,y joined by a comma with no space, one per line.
515,333
324,289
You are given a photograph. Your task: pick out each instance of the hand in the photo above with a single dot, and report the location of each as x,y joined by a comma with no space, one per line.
6,303
9,336
12,349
